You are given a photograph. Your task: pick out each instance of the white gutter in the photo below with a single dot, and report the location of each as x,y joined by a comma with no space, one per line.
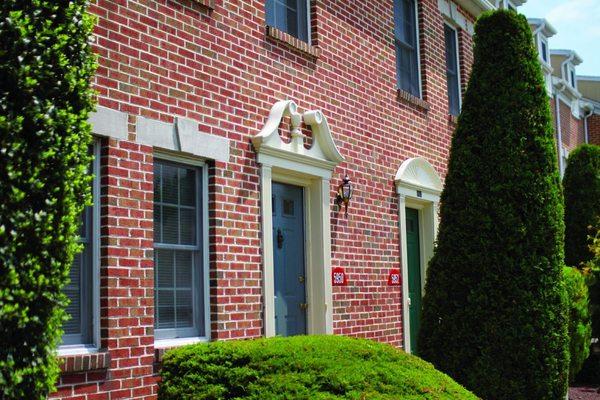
589,110
559,88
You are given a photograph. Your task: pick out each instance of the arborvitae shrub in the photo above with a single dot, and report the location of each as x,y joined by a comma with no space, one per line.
582,202
582,211
494,311
580,328
590,372
301,368
45,68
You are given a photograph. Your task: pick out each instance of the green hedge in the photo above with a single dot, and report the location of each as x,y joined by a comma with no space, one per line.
494,311
301,368
590,373
582,202
580,328
46,64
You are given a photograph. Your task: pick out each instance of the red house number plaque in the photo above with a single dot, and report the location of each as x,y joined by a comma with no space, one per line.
338,277
394,278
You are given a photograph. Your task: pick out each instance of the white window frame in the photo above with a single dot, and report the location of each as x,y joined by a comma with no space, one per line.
203,229
308,22
449,25
86,348
544,40
418,45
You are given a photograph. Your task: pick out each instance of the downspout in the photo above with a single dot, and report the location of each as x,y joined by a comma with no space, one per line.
559,88
589,111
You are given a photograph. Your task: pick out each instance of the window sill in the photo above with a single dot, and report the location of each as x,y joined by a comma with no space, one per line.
83,359
162,345
412,99
293,42
210,4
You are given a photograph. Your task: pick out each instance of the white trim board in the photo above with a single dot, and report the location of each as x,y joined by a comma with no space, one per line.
418,186
310,168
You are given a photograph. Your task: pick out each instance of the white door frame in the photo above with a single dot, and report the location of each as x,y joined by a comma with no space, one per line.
418,186
311,169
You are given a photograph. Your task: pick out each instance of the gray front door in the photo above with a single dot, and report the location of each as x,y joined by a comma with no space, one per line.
288,257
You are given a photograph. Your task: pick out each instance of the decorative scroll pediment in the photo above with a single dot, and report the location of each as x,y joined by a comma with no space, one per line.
323,153
419,174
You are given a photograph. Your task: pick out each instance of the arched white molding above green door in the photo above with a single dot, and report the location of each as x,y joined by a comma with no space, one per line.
418,186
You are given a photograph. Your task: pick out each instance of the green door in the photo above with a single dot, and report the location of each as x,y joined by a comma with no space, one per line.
414,275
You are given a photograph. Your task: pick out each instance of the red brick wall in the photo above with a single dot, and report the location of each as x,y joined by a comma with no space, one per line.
572,129
166,58
594,129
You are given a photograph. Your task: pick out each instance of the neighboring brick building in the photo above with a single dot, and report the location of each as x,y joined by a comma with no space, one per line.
590,90
571,108
199,203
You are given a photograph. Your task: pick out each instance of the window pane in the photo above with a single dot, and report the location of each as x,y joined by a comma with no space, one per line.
177,290
157,182
188,226
544,51
170,225
157,223
184,314
164,269
452,79
405,30
170,184
73,292
289,16
183,276
165,317
187,188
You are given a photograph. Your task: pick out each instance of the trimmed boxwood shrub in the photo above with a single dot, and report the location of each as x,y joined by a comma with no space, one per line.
301,368
45,67
580,328
494,311
582,202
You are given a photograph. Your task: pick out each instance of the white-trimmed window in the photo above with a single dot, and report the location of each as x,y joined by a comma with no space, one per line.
406,37
544,51
291,16
80,331
180,262
452,69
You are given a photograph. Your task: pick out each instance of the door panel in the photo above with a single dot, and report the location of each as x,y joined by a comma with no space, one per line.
288,257
413,248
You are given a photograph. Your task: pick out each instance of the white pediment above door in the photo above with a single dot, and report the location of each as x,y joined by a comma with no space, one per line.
323,154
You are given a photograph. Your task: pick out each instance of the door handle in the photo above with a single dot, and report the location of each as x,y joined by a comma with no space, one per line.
303,306
279,238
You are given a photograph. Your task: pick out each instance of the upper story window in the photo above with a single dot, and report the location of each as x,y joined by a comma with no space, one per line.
291,16
544,50
180,271
452,71
570,75
79,328
407,46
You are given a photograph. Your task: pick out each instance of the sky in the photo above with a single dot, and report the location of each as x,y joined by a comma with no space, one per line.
577,23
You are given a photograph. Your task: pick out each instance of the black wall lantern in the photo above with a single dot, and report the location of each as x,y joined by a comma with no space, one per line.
344,194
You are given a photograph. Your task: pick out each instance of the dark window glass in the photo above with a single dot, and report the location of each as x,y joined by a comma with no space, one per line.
452,76
78,329
544,51
290,16
406,36
178,269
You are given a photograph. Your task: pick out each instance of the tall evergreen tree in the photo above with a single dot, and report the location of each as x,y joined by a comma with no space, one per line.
494,307
582,202
46,65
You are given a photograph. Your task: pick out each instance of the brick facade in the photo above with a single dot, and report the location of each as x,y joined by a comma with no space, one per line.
216,62
594,129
